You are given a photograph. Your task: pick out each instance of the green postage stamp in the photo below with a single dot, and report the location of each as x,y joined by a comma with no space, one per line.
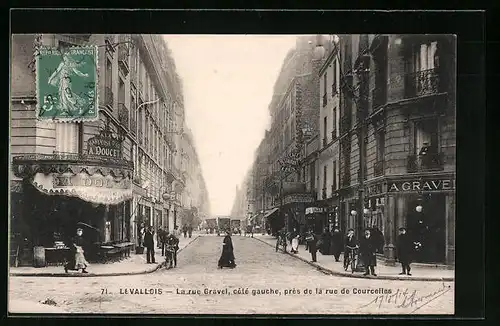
67,84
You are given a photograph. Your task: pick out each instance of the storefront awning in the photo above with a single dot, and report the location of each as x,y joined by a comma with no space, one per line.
270,212
97,189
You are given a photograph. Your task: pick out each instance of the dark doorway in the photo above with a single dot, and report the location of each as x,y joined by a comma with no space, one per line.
428,227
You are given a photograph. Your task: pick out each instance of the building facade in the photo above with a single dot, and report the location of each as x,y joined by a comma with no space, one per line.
279,181
140,106
404,99
194,198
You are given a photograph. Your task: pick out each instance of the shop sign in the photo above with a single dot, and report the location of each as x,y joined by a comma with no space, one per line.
83,180
96,189
298,198
102,146
422,185
375,189
313,210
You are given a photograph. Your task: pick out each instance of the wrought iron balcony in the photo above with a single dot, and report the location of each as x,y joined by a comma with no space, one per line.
108,97
323,193
325,100
378,168
123,115
420,83
427,162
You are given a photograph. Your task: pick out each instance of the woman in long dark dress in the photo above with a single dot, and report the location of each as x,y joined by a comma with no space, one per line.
227,256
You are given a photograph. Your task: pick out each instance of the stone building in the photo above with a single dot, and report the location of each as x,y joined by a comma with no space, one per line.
194,198
294,120
401,88
140,105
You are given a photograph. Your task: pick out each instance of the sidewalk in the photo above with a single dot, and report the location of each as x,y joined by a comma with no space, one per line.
327,264
133,265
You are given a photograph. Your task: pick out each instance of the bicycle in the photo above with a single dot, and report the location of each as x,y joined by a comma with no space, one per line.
169,256
352,258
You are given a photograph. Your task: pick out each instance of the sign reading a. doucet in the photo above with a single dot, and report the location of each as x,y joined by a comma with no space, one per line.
422,185
104,146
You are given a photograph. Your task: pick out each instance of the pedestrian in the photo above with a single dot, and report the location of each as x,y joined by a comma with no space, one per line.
367,249
190,231
312,240
172,244
336,244
150,246
325,242
404,251
77,259
185,230
227,257
295,241
378,237
350,246
163,239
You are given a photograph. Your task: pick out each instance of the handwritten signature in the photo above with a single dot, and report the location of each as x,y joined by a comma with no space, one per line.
407,298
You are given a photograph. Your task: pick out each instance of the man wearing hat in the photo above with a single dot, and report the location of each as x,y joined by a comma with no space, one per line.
368,249
349,246
404,249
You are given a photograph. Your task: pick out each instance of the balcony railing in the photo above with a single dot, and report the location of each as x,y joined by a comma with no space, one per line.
345,124
378,168
325,100
323,193
427,162
108,97
123,115
425,82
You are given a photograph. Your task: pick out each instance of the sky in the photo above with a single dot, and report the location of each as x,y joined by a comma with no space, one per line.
228,84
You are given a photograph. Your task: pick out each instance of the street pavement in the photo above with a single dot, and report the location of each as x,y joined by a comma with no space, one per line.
135,264
264,282
328,264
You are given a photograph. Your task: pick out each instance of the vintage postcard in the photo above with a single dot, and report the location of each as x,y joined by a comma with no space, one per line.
232,174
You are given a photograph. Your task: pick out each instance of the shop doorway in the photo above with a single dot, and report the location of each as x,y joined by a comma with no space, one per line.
429,227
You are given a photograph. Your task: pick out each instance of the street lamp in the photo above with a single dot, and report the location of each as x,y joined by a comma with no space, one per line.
354,213
419,208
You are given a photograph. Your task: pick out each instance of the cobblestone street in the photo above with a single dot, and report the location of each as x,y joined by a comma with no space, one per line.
260,270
